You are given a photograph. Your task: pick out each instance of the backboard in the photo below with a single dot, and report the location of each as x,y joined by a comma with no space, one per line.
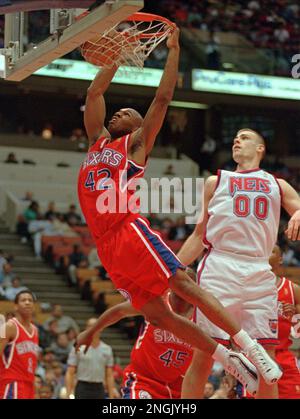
66,34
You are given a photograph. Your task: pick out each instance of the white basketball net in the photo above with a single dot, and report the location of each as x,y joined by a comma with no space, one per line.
128,43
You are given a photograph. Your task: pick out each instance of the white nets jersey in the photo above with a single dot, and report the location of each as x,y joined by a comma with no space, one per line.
244,213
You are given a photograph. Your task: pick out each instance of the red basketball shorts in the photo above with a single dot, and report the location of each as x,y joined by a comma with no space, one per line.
289,384
16,390
138,261
139,386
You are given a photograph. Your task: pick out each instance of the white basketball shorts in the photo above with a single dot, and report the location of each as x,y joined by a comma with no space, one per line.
247,288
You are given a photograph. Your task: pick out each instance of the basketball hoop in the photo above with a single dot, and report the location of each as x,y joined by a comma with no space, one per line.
129,43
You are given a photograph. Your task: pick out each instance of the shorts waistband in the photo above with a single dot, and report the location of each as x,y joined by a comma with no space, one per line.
237,256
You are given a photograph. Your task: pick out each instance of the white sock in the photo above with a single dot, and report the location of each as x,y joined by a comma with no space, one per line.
243,339
220,354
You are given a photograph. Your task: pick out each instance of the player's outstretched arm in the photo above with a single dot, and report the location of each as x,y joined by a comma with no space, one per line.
291,203
156,113
10,332
109,317
193,246
95,110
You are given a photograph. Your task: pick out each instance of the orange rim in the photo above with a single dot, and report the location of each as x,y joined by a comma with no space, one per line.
142,17
149,17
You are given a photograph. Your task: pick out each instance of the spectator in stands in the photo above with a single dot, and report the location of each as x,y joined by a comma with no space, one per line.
46,391
48,359
16,287
22,229
28,197
158,57
94,262
76,259
55,226
47,132
49,336
9,315
179,231
61,347
3,262
59,381
155,222
11,158
78,136
289,256
169,170
71,217
51,211
100,303
166,226
7,276
64,322
38,382
71,333
208,390
212,50
92,370
207,153
32,212
281,34
37,228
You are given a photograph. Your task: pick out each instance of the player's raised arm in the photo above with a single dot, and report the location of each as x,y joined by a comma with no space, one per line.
291,203
95,110
109,317
193,246
156,113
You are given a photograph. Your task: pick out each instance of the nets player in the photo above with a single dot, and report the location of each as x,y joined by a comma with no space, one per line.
288,305
239,230
19,351
139,263
159,359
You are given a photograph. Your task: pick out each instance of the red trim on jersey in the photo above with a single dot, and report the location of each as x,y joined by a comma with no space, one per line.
199,273
280,188
266,341
202,266
219,174
292,292
7,362
225,342
281,284
249,171
26,331
205,241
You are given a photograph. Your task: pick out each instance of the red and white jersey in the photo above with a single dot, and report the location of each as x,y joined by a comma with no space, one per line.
285,295
103,185
19,359
244,213
159,354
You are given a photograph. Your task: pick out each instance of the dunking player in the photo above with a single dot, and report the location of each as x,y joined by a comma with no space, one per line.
288,305
19,351
239,229
139,263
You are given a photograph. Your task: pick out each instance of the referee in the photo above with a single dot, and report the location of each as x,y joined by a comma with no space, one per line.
91,370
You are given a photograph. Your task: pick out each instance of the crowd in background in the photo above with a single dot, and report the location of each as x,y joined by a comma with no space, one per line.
271,24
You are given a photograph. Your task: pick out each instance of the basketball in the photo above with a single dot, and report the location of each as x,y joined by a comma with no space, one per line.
102,51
